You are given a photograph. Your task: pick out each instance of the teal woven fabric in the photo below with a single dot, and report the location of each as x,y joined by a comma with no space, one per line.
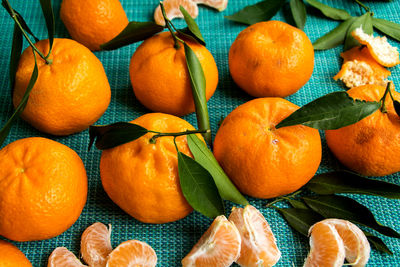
173,241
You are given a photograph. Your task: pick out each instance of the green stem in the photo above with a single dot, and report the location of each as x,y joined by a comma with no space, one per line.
158,134
383,99
367,9
168,24
286,197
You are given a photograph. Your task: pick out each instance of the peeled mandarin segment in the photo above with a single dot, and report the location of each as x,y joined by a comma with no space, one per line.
218,247
219,5
357,247
356,73
11,256
63,257
132,253
380,49
258,247
96,244
172,10
327,247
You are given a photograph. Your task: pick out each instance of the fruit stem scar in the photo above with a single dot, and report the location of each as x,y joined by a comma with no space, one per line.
158,134
168,24
383,99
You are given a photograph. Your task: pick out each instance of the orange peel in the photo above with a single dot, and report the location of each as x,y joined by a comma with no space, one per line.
172,10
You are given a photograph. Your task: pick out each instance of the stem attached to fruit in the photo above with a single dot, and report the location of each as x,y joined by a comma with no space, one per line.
383,99
158,134
169,25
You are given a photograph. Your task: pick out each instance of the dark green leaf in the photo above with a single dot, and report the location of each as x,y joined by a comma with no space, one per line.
198,82
205,158
133,32
300,219
7,127
261,11
332,206
365,22
333,38
331,111
378,243
298,10
297,204
16,49
349,182
330,12
49,17
192,26
397,107
387,27
112,135
198,187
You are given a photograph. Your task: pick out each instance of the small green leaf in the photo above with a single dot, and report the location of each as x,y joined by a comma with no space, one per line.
7,127
112,135
397,107
332,111
299,13
378,243
297,204
198,187
16,49
365,22
387,27
333,38
330,12
198,82
49,17
205,158
261,11
133,32
300,219
192,26
332,206
349,182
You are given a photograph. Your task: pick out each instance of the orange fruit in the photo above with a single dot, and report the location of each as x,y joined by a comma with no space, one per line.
93,22
70,94
160,78
96,244
11,256
142,178
262,161
63,257
132,253
258,242
327,248
218,247
271,59
172,10
368,146
43,188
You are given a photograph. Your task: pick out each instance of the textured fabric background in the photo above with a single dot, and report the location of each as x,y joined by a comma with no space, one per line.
173,241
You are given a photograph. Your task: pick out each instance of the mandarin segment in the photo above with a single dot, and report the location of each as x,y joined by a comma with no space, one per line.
172,10
219,246
132,253
62,257
219,5
96,244
11,256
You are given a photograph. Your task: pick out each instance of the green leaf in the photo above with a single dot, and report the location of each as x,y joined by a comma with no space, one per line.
198,82
298,10
330,12
300,219
366,22
192,26
198,187
261,11
349,182
7,127
49,17
332,111
378,243
387,27
112,135
205,158
396,105
16,49
133,32
332,206
333,38
297,204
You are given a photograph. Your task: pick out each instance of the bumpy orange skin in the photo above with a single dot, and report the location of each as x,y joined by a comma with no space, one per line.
70,94
370,146
11,256
43,189
160,78
271,59
93,22
262,161
142,178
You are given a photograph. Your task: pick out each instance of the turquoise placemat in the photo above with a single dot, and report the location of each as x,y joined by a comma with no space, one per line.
173,241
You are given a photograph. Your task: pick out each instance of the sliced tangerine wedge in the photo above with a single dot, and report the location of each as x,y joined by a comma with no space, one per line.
258,242
380,49
62,257
132,253
218,247
327,247
219,5
172,10
96,244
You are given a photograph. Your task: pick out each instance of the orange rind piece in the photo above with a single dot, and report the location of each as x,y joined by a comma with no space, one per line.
96,244
219,5
172,10
132,253
61,256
